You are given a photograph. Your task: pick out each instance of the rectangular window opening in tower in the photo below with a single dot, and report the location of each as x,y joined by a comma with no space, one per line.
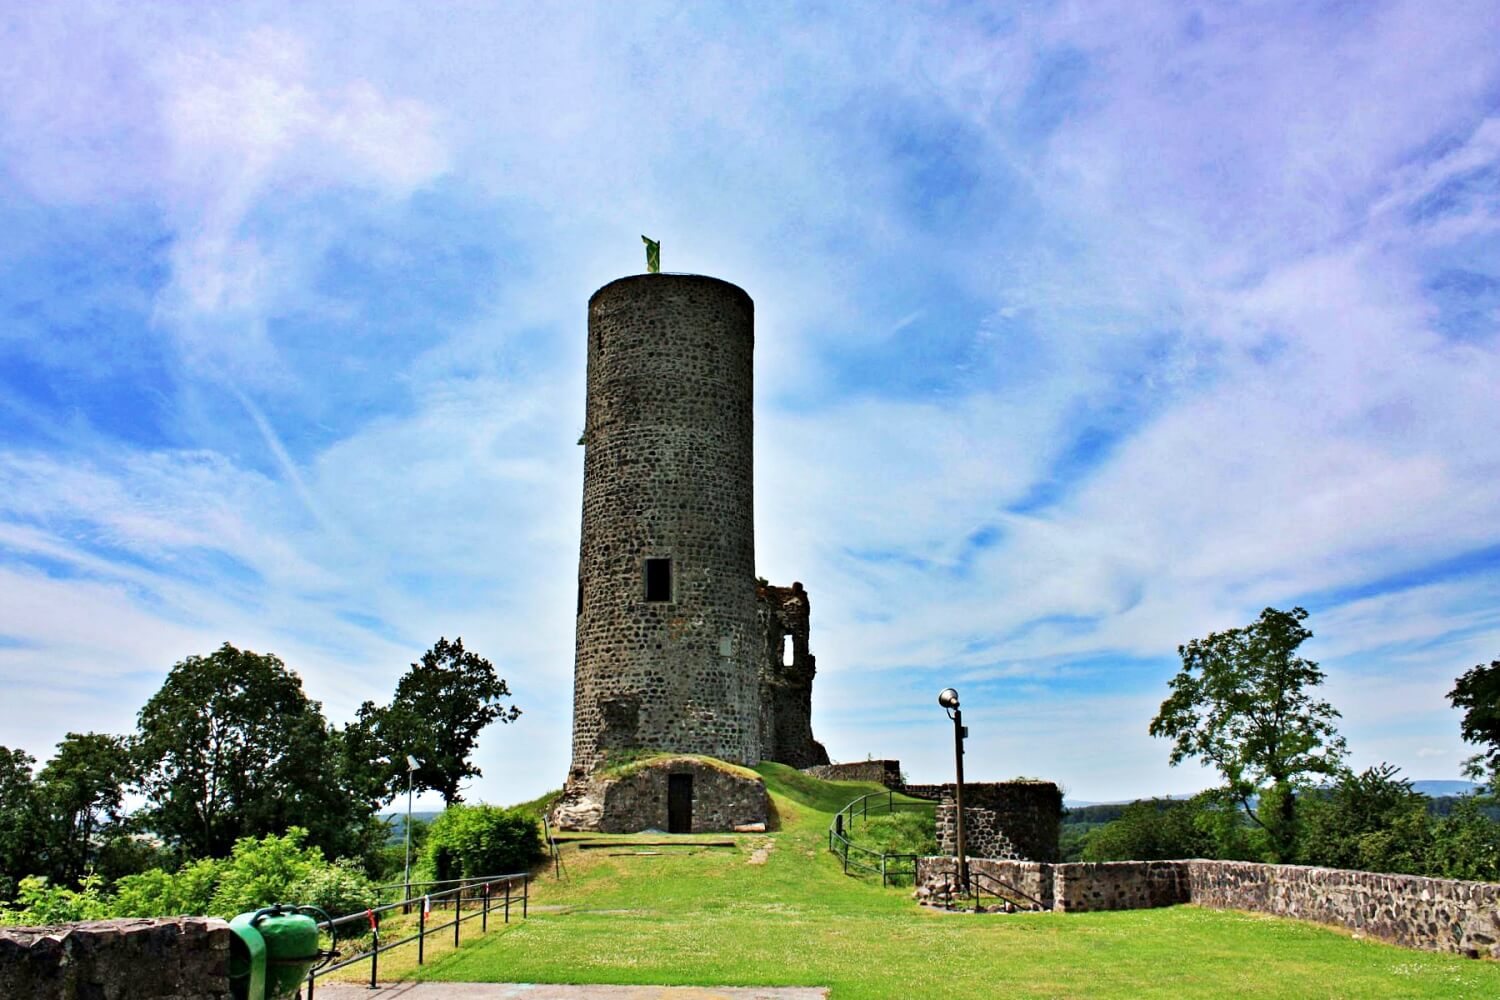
659,579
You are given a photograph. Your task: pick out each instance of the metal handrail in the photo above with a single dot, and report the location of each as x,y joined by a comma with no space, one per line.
840,845
1000,889
373,915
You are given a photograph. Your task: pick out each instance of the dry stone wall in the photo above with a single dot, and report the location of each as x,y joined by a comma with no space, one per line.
1428,913
180,958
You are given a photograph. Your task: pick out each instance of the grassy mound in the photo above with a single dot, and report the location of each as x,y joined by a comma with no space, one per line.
709,916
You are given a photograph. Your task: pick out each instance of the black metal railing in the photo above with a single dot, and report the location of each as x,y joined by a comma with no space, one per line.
487,894
862,859
982,883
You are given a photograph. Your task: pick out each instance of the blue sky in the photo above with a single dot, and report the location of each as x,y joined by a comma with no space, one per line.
1082,330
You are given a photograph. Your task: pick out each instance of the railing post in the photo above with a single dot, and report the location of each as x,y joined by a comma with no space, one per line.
458,912
507,901
421,930
375,955
309,986
525,894
484,921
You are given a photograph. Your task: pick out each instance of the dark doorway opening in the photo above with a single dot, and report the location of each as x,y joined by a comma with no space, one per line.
679,803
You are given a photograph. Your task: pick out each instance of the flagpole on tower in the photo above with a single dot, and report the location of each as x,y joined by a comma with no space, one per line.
653,255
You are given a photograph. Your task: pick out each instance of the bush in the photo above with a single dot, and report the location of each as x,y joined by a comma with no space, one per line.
189,891
468,841
257,873
39,903
1155,830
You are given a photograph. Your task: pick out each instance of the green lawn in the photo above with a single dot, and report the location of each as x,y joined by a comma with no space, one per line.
712,918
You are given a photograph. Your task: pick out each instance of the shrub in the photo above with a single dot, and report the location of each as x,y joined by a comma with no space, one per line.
189,891
467,841
1154,830
39,903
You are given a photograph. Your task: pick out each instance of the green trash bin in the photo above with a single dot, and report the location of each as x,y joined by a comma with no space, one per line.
272,952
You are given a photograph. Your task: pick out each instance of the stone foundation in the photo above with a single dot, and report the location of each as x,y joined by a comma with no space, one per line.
634,798
1432,914
177,958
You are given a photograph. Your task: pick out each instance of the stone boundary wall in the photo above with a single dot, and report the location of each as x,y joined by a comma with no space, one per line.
1433,914
173,958
885,772
933,792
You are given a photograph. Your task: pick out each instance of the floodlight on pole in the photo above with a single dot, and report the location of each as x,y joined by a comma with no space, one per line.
948,699
411,768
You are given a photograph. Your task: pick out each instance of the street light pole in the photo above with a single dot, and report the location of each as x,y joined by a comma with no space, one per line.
411,766
949,700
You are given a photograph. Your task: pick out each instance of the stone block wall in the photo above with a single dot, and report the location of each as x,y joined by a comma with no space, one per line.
1016,820
885,772
176,958
1432,914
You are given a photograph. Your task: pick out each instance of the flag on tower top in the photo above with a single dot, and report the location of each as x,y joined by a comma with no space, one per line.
653,255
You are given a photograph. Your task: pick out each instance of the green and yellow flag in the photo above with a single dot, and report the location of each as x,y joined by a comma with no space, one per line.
653,255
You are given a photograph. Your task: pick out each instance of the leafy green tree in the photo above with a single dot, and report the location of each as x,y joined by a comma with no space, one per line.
441,705
1371,821
1243,703
1465,844
83,787
1477,692
21,830
232,747
1153,830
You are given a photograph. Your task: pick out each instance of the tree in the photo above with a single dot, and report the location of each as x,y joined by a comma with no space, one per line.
440,707
20,826
1477,692
1371,821
83,786
1242,703
231,747
1153,830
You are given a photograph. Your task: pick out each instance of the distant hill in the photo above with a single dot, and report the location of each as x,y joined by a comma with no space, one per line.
1435,789
1429,787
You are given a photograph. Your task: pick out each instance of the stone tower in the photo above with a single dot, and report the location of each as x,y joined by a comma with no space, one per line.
671,643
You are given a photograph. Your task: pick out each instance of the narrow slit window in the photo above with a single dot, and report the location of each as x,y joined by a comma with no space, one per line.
658,579
788,651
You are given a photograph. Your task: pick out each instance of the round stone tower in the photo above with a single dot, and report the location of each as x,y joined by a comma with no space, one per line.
668,644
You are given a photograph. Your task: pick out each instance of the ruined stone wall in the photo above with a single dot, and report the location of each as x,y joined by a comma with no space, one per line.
1429,913
885,772
786,734
177,958
1016,820
668,474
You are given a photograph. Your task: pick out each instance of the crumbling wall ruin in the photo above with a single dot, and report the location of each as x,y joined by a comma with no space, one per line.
786,734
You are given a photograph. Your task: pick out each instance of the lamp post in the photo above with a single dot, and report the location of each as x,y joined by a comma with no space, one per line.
411,766
949,700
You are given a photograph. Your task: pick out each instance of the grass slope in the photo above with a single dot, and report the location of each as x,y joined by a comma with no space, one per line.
710,917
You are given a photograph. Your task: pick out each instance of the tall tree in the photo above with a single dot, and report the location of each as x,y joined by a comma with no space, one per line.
1243,703
20,820
1477,692
83,787
231,747
441,705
